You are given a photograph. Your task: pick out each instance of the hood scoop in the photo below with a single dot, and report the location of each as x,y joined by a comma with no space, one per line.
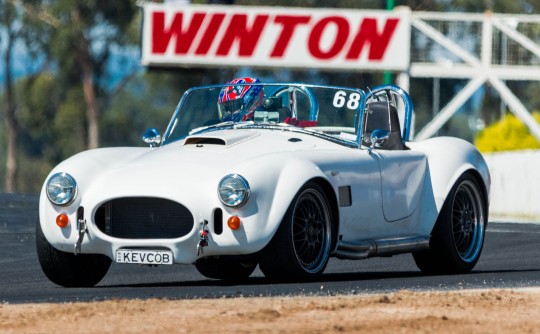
203,141
223,138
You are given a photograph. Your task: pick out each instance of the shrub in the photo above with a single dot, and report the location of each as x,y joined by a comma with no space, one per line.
508,134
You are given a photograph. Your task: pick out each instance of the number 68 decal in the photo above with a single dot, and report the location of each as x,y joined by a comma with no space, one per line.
341,98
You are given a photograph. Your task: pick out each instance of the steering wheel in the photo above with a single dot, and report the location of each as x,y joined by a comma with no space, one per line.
293,97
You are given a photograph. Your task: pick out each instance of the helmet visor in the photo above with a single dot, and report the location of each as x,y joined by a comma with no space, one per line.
230,107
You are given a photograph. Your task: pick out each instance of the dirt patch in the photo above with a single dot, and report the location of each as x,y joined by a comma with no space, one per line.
489,311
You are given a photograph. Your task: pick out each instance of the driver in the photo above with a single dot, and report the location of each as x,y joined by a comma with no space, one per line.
237,103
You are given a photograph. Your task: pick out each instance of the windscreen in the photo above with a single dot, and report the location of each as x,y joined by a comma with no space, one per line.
331,110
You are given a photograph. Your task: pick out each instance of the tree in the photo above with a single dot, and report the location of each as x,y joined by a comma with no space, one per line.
497,6
87,34
27,25
10,20
20,23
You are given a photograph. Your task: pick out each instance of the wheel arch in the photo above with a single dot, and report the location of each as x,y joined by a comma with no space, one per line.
448,159
294,174
334,208
483,188
466,169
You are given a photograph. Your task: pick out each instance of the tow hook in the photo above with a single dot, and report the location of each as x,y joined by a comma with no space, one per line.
81,227
203,237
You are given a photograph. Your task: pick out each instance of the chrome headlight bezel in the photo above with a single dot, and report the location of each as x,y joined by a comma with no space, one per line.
61,189
233,190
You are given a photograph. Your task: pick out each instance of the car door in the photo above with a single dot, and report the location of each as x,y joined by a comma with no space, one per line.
402,179
358,182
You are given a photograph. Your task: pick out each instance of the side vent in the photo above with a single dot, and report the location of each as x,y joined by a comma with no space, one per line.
80,213
345,198
218,221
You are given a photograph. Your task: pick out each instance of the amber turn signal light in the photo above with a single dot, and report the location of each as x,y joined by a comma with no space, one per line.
62,220
233,222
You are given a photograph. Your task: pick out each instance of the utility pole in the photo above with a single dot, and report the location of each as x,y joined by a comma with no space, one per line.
387,79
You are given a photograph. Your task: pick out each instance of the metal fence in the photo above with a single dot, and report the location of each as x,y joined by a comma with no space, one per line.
483,48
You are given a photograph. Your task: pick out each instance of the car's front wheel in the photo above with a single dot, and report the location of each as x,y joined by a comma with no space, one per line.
458,236
69,270
226,268
301,246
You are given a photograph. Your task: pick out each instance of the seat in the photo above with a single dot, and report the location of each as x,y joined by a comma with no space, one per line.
382,115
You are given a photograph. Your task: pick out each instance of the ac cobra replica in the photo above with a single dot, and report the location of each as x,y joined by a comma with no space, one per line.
311,172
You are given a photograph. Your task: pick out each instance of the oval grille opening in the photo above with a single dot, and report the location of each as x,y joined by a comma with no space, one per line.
144,218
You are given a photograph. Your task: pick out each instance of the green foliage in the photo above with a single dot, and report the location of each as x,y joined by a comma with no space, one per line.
88,31
366,4
497,6
141,105
32,173
52,120
37,111
69,125
508,134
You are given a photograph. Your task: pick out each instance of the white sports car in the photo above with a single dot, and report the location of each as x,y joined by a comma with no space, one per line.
285,180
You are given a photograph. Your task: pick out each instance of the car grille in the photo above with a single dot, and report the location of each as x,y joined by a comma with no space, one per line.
144,218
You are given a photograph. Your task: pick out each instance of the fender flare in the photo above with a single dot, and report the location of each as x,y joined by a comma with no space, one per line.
448,159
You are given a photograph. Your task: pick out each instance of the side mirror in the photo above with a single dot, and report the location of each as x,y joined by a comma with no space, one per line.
378,138
152,137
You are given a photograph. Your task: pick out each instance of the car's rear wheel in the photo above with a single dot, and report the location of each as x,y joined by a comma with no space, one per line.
226,268
69,270
301,246
458,236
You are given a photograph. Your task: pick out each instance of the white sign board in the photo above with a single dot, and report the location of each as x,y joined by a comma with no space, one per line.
210,35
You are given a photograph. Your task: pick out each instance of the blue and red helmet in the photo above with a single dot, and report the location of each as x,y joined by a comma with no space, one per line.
238,101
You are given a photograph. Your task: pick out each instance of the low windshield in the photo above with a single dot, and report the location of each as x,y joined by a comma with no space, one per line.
328,110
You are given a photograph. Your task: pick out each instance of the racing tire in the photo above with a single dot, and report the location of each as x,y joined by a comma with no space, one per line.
225,268
300,249
458,236
67,269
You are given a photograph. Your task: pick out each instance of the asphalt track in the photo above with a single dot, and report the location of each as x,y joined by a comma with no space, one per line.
511,259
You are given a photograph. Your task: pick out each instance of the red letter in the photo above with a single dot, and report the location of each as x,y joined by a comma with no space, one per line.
238,30
161,36
368,34
341,37
209,34
289,23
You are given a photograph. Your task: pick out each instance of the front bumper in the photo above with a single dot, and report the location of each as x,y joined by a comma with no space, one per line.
154,223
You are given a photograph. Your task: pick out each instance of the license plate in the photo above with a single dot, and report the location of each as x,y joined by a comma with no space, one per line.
141,256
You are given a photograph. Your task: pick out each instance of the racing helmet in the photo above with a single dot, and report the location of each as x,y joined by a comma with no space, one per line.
238,101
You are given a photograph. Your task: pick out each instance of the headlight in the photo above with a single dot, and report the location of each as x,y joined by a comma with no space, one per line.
61,189
233,190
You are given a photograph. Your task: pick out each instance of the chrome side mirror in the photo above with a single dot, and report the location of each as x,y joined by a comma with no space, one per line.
378,138
152,137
